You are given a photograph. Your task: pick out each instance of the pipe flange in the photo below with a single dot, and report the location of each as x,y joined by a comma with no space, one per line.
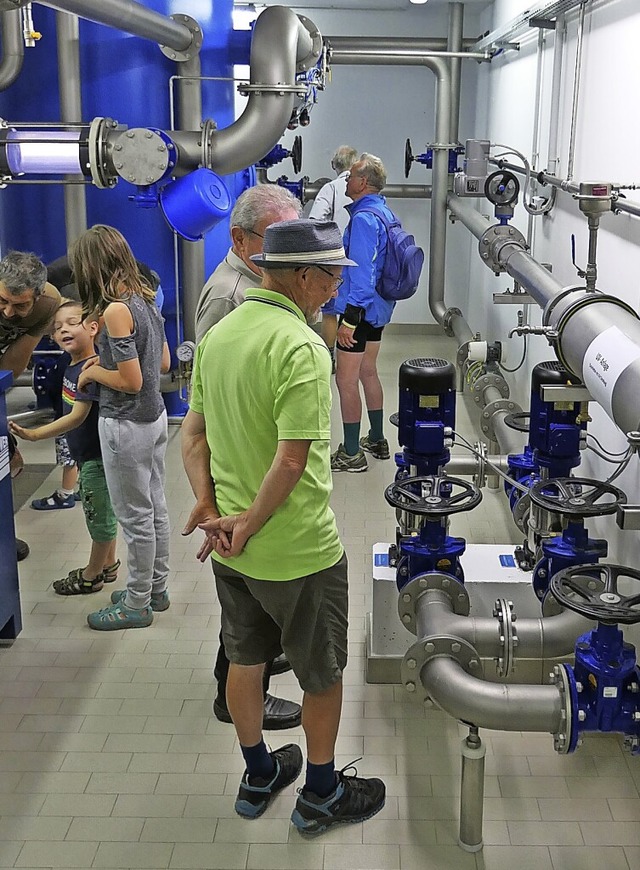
522,511
448,316
486,419
562,738
245,88
489,379
142,156
479,477
437,646
503,612
493,241
102,173
312,58
209,128
193,49
422,583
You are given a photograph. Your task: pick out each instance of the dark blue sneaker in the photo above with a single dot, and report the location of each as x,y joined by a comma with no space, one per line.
355,799
254,798
54,502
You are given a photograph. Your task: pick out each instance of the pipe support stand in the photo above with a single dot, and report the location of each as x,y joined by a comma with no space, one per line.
421,584
437,646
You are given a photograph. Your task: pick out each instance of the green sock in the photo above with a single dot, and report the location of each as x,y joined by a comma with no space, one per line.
351,438
375,419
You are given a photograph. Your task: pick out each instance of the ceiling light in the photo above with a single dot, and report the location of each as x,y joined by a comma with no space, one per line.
418,2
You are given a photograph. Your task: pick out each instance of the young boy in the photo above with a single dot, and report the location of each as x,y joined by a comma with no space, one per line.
79,422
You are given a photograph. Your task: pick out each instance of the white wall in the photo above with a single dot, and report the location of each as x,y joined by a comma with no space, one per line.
607,132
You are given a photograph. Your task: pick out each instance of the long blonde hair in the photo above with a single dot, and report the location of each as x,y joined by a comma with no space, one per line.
105,269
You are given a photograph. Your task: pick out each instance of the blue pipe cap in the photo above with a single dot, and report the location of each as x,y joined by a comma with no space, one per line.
194,204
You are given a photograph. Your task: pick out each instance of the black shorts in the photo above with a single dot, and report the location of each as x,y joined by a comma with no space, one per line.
305,618
363,333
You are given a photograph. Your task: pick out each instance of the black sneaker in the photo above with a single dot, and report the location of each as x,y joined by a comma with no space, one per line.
278,715
254,798
378,449
355,799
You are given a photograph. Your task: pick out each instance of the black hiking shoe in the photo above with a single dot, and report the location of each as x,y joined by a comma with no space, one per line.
354,799
253,798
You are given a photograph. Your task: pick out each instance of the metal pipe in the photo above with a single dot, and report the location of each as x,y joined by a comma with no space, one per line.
267,113
454,44
400,53
440,173
12,48
556,94
129,17
191,253
576,92
491,705
68,45
466,465
389,43
32,418
571,187
626,206
539,638
391,191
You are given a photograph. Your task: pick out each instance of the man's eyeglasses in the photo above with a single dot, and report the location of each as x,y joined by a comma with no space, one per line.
254,233
338,281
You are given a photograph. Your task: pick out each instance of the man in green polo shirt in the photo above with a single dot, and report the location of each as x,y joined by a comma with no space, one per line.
256,451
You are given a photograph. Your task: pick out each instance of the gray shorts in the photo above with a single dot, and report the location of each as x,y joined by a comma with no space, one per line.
305,618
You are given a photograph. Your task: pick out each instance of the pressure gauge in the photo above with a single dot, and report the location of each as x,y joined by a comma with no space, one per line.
186,351
501,188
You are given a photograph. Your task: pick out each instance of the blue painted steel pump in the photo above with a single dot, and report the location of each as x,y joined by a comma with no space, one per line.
574,499
555,433
424,497
426,415
602,689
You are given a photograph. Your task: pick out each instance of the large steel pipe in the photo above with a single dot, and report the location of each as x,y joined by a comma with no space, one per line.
12,47
392,43
543,638
391,191
440,173
130,17
491,705
279,38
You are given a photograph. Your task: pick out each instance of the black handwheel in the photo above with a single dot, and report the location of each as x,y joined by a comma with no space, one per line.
592,591
408,158
501,187
296,154
433,495
519,422
577,496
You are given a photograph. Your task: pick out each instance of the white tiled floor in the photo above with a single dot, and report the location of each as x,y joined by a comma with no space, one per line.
110,757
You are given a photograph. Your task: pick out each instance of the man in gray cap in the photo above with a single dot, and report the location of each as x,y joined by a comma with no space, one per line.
256,451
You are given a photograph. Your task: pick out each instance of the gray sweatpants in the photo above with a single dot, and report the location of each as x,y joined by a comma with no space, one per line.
133,456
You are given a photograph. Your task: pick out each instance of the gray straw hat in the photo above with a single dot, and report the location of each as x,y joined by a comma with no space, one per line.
302,242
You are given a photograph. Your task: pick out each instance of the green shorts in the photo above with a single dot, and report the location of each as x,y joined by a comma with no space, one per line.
98,513
305,618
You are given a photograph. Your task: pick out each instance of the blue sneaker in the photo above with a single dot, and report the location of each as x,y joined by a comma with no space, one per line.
354,799
54,502
158,602
253,798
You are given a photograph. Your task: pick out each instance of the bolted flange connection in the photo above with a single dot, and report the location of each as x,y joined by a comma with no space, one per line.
503,612
494,240
420,585
562,742
437,646
193,49
486,419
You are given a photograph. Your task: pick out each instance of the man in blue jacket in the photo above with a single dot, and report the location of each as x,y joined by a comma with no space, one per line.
364,314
